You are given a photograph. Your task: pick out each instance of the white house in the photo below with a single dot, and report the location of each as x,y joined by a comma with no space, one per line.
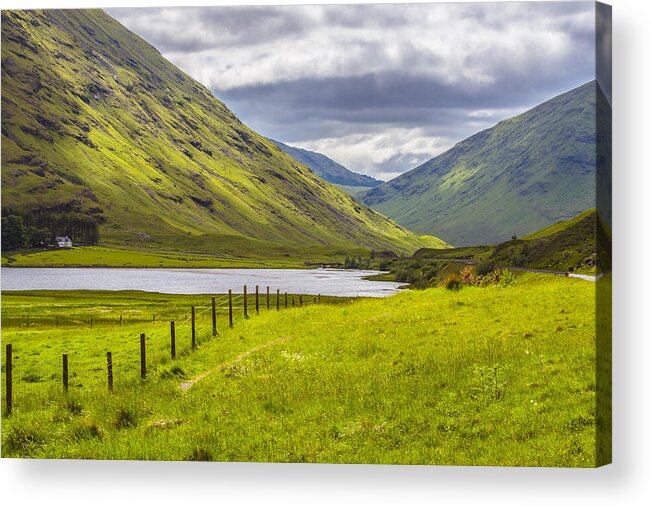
63,242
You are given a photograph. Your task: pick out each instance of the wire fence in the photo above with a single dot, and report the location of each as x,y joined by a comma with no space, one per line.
113,356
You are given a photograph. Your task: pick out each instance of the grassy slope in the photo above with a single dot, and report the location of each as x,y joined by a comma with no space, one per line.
100,256
95,121
567,245
480,376
521,175
561,226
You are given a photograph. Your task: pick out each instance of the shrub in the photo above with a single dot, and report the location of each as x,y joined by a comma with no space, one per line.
14,234
501,277
467,275
452,282
489,279
430,272
406,275
485,267
507,278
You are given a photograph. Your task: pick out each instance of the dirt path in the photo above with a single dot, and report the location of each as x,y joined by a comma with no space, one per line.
187,385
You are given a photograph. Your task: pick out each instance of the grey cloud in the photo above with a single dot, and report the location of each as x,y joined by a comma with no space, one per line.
203,28
397,163
386,99
365,88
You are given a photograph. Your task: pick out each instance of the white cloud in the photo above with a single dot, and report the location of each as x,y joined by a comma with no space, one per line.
372,153
231,47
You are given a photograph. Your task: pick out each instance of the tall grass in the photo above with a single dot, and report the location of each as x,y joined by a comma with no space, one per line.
485,376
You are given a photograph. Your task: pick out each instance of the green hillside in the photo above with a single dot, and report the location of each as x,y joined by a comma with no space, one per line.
570,245
328,169
580,244
521,175
96,123
563,226
351,190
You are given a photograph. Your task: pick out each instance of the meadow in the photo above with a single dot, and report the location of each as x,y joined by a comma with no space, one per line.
232,254
479,376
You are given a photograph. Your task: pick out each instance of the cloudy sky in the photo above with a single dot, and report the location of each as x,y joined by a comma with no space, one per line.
378,88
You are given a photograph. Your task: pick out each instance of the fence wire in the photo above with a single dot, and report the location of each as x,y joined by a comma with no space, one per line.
37,376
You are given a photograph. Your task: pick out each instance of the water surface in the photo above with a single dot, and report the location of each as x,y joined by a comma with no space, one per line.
329,282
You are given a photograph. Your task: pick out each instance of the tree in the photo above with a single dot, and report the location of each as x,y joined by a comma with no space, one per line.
38,237
13,232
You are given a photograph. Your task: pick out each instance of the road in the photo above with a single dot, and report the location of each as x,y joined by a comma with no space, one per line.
589,278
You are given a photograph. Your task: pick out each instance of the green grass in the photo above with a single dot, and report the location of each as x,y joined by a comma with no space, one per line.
482,376
109,256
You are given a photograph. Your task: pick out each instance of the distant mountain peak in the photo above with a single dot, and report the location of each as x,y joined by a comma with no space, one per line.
326,168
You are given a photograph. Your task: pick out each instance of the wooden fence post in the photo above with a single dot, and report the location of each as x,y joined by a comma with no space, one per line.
267,297
230,307
9,378
194,330
277,299
300,300
214,317
109,370
91,321
257,294
285,300
246,315
120,319
143,357
173,338
65,372
293,303
153,318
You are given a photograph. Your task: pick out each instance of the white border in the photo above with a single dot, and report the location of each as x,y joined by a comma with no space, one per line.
626,482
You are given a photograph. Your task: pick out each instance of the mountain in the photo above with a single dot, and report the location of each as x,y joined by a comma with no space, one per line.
521,175
327,168
97,124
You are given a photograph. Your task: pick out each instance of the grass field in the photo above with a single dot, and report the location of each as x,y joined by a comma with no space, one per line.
112,256
480,376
